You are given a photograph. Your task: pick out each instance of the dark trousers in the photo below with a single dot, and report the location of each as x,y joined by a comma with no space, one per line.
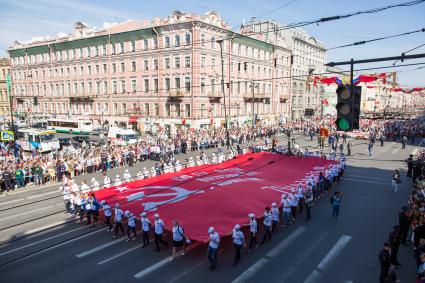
145,236
118,224
212,257
274,225
129,230
394,253
267,230
301,203
158,239
383,275
308,210
293,211
237,253
89,216
252,240
108,222
403,233
7,185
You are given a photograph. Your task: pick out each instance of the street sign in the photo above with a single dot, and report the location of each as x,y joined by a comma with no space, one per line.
7,136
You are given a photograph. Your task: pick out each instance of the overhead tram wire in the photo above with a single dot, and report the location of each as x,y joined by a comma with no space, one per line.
337,17
145,210
417,47
289,26
277,8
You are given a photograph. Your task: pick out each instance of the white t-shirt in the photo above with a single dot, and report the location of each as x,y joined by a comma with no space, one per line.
177,233
159,226
145,224
107,210
118,215
214,240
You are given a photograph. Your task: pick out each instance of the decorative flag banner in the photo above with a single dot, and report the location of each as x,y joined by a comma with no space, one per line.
344,81
220,195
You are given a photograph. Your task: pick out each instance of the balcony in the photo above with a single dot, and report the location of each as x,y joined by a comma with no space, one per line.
214,96
284,98
258,96
175,95
82,98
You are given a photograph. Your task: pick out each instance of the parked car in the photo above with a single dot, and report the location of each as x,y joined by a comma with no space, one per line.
98,131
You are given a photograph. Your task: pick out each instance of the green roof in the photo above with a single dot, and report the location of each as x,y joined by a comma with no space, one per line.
85,42
242,39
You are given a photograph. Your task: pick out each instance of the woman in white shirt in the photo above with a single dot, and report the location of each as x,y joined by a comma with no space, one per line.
178,238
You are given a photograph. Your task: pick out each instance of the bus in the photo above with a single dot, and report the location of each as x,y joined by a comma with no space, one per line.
43,140
70,126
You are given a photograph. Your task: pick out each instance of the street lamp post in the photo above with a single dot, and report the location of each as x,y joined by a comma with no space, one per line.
253,86
220,42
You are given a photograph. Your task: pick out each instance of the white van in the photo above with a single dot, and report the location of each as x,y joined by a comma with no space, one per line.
121,136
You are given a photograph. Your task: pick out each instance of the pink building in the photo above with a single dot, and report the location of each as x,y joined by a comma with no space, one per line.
150,74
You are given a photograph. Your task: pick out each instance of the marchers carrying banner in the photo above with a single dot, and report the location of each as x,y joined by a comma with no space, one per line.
219,195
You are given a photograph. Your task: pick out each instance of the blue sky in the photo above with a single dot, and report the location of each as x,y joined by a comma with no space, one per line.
25,19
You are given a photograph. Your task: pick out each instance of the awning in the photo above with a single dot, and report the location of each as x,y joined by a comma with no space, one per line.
133,119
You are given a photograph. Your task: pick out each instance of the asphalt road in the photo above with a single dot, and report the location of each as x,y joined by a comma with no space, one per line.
314,251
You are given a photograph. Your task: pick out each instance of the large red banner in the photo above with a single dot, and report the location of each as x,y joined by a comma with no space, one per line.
220,195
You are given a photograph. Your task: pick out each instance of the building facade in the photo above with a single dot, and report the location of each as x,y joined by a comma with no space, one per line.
4,98
160,73
308,58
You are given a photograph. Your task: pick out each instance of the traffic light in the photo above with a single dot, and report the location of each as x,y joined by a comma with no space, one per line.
348,108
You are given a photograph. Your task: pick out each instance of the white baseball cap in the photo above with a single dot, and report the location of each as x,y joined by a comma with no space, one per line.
102,202
127,212
274,204
143,214
156,215
251,215
237,227
210,230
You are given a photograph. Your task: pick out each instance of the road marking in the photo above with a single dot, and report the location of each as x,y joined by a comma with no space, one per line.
118,255
313,277
300,258
45,227
41,241
45,194
152,268
26,212
286,242
395,150
186,272
99,248
57,246
328,259
160,264
12,201
367,181
253,269
334,252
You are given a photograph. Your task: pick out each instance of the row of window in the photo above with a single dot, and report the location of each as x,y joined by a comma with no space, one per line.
172,110
147,85
133,46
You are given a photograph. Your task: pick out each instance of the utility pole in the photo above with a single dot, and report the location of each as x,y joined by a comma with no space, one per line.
9,94
253,86
222,89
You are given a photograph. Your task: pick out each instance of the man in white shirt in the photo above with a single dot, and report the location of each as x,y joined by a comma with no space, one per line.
106,181
286,210
117,181
294,204
126,176
267,225
238,242
275,217
94,184
213,247
145,222
107,212
131,225
118,221
159,231
300,196
253,229
145,173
